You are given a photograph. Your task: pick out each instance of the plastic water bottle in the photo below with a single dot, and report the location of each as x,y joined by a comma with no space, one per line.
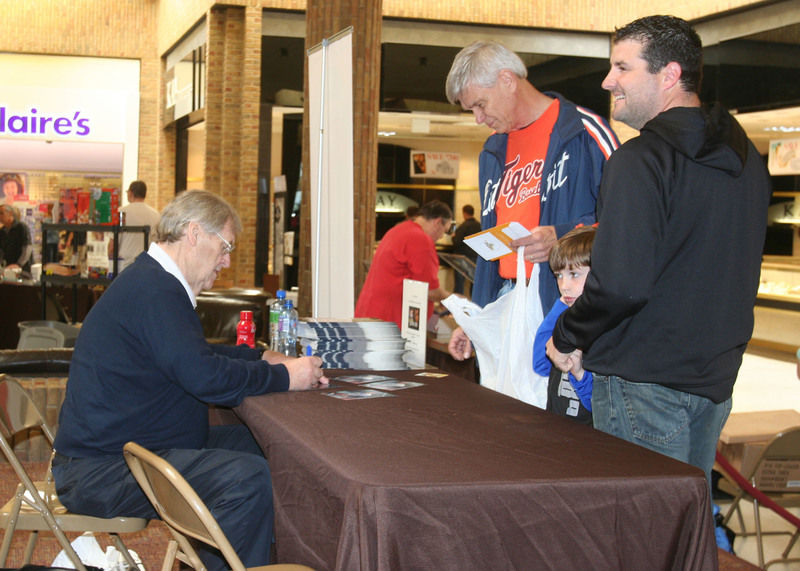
246,329
275,309
288,329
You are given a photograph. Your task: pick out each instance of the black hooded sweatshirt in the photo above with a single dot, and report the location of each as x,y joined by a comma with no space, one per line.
676,260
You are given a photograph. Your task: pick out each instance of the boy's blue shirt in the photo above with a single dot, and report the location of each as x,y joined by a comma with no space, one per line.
542,364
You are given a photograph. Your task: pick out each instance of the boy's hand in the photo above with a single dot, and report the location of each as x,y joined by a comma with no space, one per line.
576,364
460,347
562,361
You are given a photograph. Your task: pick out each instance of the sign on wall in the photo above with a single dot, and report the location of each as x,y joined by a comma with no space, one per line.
13,187
434,164
65,100
784,157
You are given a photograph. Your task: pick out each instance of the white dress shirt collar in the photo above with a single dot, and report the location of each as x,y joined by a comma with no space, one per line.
160,256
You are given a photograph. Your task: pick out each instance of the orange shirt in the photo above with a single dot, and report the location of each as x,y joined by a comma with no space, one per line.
518,199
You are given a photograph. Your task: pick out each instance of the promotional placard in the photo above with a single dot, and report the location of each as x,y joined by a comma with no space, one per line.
415,320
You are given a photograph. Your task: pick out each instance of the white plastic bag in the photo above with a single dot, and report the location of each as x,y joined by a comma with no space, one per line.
90,553
502,334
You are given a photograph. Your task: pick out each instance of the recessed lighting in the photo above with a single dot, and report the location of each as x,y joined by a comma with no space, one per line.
782,129
386,133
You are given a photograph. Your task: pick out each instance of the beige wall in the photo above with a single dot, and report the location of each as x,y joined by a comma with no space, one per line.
147,29
96,28
580,15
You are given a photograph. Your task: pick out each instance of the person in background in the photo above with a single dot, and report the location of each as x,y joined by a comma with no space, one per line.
407,251
569,393
15,240
137,213
541,167
667,309
142,371
468,227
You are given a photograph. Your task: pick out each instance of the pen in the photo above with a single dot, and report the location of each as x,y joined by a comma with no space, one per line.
308,350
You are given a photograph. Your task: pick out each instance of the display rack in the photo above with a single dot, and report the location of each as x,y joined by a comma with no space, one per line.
75,281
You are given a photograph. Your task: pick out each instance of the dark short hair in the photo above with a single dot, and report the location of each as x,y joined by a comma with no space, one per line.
138,188
468,209
573,249
435,209
665,39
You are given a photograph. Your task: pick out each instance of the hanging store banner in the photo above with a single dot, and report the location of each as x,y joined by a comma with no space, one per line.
434,164
784,157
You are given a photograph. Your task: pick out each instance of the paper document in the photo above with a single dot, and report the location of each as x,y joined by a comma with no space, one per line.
494,243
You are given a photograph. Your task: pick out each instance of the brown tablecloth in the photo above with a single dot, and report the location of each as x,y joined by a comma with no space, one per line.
451,475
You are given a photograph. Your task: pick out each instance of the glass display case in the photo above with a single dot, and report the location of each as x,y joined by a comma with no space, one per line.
778,304
780,281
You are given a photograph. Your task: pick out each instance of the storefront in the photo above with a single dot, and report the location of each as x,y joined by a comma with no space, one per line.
69,126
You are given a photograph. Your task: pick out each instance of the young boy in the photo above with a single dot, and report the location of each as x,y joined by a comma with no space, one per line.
568,394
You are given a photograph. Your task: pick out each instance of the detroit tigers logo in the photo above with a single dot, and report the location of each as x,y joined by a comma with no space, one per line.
514,187
514,179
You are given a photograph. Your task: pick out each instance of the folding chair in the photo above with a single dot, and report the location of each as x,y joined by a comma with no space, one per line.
35,506
46,334
40,338
184,513
757,486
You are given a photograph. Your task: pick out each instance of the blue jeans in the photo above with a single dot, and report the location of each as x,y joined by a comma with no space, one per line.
677,424
230,475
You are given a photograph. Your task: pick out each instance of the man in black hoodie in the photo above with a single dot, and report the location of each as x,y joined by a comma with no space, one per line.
668,306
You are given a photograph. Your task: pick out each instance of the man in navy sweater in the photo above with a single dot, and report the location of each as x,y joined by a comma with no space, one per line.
142,371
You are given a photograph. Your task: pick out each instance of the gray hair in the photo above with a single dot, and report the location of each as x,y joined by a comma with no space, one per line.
12,210
209,210
479,64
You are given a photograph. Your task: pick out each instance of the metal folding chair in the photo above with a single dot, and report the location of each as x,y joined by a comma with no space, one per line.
184,513
35,506
757,486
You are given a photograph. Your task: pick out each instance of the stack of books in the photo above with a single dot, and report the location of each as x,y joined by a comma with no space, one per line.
371,345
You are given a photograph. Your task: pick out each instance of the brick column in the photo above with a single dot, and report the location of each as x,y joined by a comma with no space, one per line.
324,18
232,129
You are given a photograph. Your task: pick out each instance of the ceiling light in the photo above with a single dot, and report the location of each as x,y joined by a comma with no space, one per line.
782,129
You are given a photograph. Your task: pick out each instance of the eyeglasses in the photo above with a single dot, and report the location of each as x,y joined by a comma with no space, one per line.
228,247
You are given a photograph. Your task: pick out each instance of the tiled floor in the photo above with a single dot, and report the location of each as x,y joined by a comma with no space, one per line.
767,381
746,547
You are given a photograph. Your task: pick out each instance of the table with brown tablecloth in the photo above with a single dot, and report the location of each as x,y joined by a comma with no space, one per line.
451,475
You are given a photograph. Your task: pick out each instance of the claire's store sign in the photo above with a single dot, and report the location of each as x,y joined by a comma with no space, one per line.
33,122
63,114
